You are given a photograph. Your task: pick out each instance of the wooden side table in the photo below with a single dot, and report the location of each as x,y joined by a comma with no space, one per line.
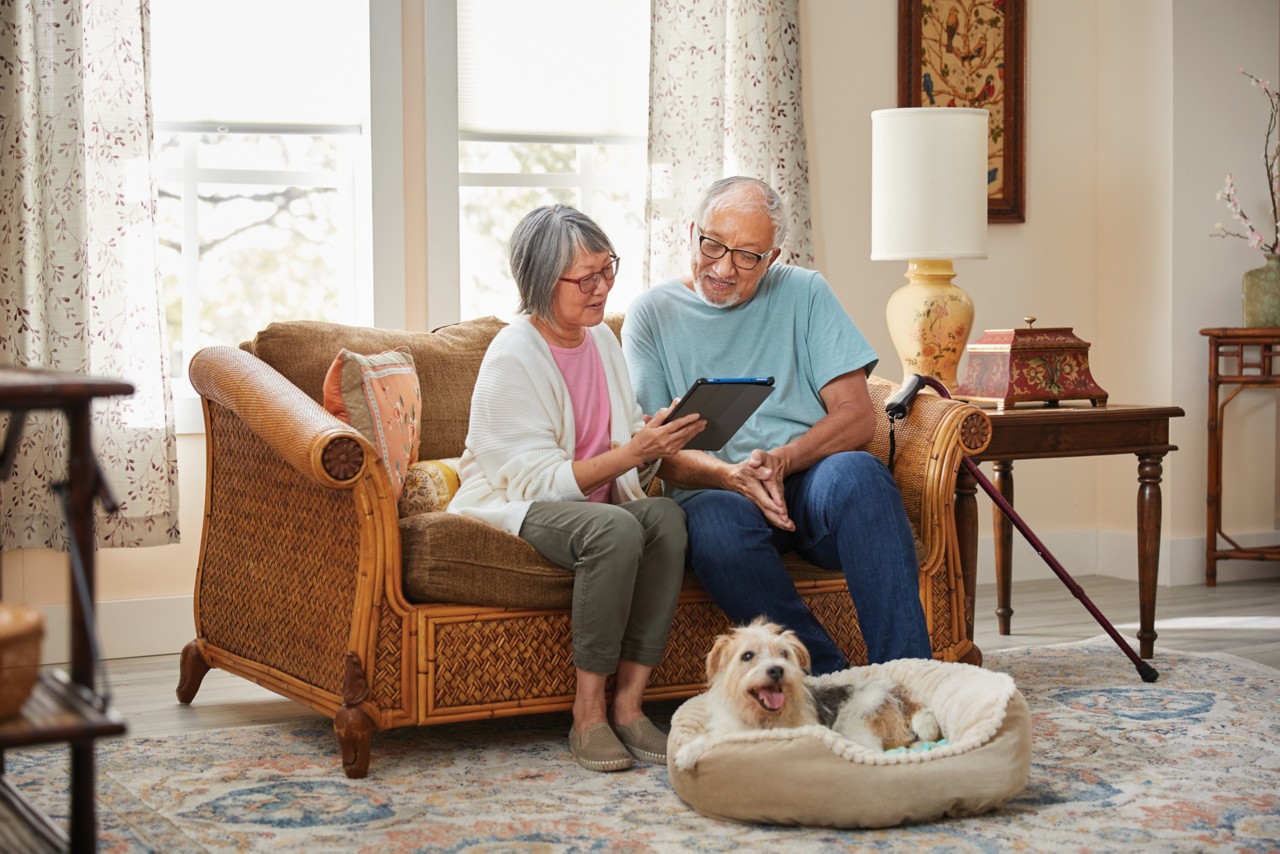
62,708
1071,429
1244,358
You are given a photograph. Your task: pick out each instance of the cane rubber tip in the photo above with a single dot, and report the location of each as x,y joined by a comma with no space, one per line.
1147,672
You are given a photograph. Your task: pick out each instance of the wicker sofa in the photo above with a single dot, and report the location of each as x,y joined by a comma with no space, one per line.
311,585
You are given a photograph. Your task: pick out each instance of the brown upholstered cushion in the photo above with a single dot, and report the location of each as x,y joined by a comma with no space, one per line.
447,361
451,558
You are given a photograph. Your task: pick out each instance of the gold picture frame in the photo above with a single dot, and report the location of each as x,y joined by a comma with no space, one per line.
970,53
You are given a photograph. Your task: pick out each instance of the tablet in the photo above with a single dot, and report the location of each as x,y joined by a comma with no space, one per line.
726,403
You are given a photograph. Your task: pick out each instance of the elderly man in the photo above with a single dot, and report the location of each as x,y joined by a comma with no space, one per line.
792,478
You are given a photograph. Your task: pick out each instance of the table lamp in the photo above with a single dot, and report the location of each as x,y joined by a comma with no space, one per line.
929,207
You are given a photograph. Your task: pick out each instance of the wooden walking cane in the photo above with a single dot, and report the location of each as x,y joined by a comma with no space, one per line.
897,406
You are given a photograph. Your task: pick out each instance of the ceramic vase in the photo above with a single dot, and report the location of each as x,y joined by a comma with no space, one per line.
1262,295
929,319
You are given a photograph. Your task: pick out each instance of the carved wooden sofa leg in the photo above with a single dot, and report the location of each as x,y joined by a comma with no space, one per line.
191,670
352,726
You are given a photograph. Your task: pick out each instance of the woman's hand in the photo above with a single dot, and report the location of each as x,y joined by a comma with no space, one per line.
658,440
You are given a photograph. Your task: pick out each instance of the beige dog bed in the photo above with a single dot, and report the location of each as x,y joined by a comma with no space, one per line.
810,775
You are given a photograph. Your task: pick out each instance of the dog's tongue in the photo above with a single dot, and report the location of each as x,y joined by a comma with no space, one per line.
772,700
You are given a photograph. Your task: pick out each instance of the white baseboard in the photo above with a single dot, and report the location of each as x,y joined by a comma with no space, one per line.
1075,550
126,628
1115,554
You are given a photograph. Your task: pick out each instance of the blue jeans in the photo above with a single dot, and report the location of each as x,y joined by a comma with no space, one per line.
848,515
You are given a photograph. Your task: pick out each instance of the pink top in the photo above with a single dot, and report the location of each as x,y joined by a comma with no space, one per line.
583,372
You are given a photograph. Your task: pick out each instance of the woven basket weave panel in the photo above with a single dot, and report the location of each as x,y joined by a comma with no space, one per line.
480,662
943,627
836,613
280,558
692,632
385,681
485,662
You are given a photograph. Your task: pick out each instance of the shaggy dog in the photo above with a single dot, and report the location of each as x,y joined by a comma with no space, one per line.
755,677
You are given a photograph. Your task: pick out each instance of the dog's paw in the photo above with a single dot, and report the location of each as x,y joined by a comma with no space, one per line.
687,757
925,726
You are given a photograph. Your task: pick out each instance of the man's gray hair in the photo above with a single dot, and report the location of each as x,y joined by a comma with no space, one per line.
745,194
543,247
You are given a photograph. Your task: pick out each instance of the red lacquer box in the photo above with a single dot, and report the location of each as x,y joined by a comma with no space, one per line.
1008,366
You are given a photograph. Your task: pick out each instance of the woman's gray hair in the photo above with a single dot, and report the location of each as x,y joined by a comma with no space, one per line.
543,247
745,194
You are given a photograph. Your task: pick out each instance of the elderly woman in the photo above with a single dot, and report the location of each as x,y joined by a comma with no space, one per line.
557,453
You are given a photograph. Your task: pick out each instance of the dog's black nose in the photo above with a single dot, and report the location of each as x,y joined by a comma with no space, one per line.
775,673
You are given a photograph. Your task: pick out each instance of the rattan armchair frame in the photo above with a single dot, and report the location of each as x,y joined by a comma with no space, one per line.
299,582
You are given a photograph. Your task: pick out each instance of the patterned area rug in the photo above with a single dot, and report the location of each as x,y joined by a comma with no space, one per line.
1189,763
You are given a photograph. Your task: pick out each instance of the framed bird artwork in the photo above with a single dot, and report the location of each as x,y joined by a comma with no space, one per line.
970,53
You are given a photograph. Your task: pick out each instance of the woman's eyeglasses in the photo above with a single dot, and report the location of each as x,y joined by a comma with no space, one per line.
588,284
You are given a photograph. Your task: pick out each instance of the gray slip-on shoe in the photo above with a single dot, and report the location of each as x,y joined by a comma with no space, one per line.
598,749
643,740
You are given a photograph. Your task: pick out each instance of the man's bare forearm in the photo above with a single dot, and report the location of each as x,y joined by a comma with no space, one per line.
845,429
693,470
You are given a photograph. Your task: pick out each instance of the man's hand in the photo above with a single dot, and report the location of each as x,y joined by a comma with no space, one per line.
760,477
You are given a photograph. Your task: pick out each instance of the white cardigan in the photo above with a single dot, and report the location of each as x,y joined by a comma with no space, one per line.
521,439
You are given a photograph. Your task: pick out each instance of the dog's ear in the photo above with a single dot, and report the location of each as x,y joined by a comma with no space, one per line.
801,651
715,658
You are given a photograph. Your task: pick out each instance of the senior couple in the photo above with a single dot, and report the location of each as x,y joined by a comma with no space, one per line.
565,434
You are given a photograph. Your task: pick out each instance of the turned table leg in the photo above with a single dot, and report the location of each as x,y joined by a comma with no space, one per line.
1150,469
1002,542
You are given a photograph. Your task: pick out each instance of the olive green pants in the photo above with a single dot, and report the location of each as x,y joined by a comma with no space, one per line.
628,564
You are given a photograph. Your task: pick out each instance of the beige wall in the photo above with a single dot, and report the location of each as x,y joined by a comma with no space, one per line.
1134,114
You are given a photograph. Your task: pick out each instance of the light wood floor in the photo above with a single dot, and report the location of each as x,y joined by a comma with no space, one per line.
1240,618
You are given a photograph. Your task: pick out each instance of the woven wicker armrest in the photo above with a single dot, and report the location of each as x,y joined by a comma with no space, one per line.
928,447
305,435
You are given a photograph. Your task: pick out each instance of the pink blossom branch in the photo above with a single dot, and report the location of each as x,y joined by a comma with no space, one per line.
1271,163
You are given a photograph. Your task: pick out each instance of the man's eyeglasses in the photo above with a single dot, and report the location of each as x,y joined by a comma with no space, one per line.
588,284
743,259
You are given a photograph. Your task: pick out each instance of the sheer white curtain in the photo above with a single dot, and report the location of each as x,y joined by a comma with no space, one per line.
79,289
724,99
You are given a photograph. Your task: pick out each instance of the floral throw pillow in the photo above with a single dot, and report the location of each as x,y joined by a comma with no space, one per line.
379,396
429,486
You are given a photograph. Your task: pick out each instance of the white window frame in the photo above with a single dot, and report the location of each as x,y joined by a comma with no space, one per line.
443,177
378,174
190,176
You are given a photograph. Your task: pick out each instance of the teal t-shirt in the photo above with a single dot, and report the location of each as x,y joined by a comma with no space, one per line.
793,329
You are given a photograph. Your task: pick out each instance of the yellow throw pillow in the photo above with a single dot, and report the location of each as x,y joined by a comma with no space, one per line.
429,486
379,396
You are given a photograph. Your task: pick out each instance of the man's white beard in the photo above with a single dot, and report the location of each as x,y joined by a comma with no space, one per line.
732,300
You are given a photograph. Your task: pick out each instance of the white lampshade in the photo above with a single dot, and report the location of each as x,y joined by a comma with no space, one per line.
928,183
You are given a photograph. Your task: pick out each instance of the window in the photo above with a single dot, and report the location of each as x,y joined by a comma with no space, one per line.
262,194
552,107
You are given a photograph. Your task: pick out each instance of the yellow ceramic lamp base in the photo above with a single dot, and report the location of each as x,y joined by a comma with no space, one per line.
929,320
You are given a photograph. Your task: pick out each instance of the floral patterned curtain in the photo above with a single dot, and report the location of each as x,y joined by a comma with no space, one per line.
724,99
79,287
